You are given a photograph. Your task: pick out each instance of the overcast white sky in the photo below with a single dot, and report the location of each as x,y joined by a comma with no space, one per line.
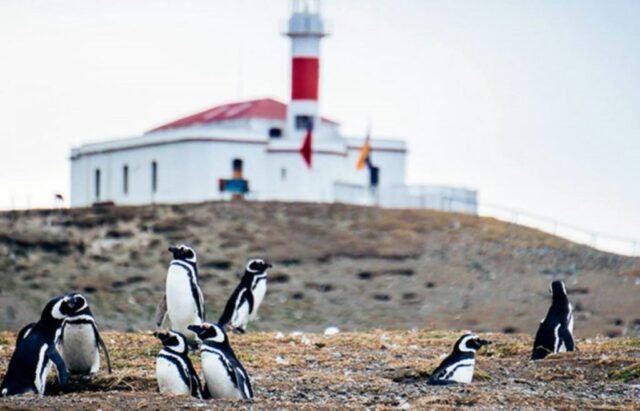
534,103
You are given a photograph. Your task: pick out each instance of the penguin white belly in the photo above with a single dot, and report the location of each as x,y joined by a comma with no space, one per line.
181,306
258,296
80,349
462,372
219,383
169,379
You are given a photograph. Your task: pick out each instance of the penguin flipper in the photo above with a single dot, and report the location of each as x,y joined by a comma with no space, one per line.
250,301
567,339
161,311
102,345
63,373
243,384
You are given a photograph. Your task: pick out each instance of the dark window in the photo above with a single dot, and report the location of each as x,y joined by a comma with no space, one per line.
97,184
125,179
304,122
275,132
283,174
154,176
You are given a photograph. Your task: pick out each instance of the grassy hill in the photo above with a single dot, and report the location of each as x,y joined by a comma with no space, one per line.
354,267
366,370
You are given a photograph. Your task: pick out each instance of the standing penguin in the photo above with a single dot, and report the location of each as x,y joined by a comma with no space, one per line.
245,300
224,375
182,302
174,370
36,349
80,342
458,367
555,333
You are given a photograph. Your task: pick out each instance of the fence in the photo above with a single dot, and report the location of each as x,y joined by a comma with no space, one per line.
601,241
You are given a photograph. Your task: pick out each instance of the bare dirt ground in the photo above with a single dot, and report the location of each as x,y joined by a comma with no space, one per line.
373,370
357,268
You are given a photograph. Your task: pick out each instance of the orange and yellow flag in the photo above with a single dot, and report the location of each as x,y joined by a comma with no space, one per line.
364,154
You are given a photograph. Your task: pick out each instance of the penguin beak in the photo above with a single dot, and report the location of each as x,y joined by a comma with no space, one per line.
269,265
173,249
482,343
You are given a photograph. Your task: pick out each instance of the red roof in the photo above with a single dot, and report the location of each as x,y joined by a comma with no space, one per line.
266,108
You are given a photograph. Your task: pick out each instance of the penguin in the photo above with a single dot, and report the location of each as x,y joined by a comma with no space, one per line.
80,343
458,367
174,371
224,375
245,300
36,349
183,301
555,333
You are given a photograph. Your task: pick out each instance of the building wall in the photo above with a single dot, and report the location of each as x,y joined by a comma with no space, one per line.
186,172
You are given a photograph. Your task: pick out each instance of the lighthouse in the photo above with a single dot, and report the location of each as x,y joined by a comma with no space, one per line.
306,30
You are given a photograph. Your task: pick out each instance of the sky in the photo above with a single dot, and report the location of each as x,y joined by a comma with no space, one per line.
536,104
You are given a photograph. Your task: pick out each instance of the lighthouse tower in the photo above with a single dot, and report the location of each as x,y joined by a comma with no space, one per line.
305,29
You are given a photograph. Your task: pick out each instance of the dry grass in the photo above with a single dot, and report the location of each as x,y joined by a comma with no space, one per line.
375,370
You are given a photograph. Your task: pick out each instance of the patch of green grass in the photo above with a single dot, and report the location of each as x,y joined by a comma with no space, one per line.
4,341
626,374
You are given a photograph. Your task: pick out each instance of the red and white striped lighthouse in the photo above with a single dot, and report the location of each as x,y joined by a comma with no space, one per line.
306,29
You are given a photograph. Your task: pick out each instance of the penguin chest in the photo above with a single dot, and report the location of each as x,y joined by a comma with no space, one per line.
170,380
219,382
80,349
462,371
259,292
181,305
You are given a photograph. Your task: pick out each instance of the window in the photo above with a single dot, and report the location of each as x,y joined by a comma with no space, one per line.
154,176
236,167
125,179
304,122
275,132
283,174
97,184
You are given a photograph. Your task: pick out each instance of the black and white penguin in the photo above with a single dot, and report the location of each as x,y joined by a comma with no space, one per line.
555,333
183,302
80,342
36,349
224,375
174,371
458,367
245,300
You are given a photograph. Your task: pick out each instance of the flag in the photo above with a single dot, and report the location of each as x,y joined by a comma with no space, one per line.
364,159
305,150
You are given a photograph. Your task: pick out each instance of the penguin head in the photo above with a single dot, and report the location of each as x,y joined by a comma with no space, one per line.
172,340
183,252
558,289
258,266
209,332
62,307
470,343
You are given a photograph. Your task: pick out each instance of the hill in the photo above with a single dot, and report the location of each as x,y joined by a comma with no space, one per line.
354,267
368,370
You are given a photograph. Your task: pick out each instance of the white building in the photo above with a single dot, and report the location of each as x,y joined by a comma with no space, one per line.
184,160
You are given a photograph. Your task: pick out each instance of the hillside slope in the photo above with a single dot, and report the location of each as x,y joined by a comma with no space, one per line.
354,267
